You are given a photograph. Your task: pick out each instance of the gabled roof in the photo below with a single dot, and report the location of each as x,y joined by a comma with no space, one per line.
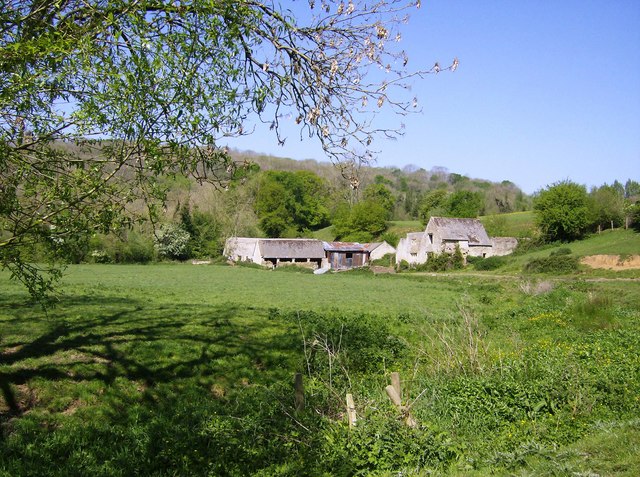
291,248
414,241
344,247
448,228
240,246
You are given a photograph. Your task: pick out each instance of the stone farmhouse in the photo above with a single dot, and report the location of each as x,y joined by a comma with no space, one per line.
309,253
443,234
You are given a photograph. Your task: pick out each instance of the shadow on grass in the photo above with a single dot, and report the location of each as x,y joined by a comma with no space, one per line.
111,385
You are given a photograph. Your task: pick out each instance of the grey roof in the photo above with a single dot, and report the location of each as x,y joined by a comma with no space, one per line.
291,248
459,229
344,247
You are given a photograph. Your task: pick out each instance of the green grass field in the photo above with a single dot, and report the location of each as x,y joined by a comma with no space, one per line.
515,224
175,369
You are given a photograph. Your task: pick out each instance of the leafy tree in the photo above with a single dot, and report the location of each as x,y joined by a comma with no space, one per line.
288,203
607,206
379,194
368,221
363,222
433,204
561,211
631,189
162,83
204,232
464,204
634,214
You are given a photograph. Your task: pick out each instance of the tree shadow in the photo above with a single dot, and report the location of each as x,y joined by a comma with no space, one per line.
116,338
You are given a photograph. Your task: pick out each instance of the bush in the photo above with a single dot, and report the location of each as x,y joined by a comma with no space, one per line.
489,263
134,248
443,262
172,242
561,251
357,343
552,264
389,260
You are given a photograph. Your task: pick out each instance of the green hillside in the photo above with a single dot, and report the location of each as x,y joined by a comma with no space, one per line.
514,224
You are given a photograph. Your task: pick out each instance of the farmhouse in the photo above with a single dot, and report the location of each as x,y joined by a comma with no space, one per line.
444,234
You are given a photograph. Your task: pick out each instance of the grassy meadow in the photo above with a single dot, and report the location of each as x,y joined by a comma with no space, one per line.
175,369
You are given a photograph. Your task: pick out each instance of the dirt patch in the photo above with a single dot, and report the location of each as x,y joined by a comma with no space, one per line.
376,269
612,262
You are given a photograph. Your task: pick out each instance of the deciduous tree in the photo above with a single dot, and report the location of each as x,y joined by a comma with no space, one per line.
99,98
562,212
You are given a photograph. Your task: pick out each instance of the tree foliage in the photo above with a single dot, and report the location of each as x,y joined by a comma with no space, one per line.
363,222
288,203
607,206
99,98
562,212
382,196
464,204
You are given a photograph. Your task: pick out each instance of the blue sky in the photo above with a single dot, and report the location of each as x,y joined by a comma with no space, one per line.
545,91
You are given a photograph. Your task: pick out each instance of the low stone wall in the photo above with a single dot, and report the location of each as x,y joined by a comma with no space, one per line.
503,245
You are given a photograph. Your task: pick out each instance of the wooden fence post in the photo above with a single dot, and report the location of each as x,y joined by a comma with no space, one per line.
394,395
395,382
351,411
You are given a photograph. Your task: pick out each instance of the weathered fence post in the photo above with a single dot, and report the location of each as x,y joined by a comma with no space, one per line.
394,392
395,382
299,392
351,411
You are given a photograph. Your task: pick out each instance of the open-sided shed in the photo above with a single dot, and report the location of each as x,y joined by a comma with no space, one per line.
290,251
345,255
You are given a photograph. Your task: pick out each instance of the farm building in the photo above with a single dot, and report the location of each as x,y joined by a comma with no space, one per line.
242,249
377,250
412,249
444,234
274,252
345,255
304,252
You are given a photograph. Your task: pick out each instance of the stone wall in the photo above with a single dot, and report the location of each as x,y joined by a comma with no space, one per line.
503,245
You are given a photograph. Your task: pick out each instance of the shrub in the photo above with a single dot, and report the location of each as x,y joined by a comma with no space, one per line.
134,248
552,264
357,343
389,260
443,261
490,263
403,266
172,242
560,251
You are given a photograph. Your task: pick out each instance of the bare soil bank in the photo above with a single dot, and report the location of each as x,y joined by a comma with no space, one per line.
612,262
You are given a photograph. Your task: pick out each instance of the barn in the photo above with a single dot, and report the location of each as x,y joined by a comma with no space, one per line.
346,255
301,252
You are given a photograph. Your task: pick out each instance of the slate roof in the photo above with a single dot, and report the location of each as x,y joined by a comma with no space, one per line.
345,247
459,229
291,248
